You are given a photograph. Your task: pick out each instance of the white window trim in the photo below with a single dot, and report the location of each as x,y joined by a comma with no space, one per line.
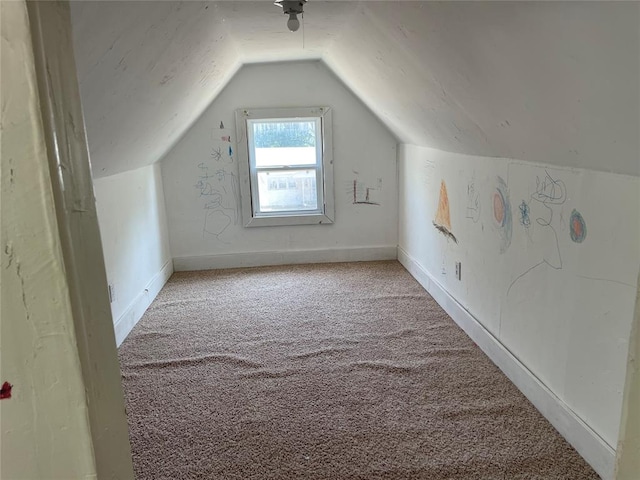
327,213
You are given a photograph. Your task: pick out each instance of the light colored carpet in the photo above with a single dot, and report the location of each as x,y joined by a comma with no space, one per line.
334,371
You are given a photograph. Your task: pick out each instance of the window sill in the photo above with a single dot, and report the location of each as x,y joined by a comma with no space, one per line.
285,220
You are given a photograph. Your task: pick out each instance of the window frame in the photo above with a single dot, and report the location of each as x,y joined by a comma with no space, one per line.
248,170
254,169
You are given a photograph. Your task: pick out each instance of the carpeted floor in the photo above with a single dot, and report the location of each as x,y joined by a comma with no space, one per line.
335,371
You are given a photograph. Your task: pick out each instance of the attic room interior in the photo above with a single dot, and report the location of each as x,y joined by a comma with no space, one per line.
322,239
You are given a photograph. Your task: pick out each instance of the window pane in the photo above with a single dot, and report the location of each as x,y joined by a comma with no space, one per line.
287,191
289,142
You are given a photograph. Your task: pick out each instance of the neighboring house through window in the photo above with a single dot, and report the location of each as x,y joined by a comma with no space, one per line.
286,166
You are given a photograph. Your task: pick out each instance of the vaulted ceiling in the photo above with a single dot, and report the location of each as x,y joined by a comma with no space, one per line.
551,82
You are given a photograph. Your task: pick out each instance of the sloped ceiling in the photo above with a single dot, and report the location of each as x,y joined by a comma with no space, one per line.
553,82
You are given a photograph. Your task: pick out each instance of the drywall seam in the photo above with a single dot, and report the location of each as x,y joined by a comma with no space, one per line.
136,309
291,257
587,442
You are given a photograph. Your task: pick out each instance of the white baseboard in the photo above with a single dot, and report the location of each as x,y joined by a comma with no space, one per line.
599,454
125,323
290,257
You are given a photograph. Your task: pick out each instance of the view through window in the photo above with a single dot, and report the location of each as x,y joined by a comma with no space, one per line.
288,168
288,164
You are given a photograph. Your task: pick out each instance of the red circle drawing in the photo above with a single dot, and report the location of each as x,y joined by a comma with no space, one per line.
578,230
577,227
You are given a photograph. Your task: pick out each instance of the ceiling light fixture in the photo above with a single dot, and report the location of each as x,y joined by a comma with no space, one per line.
293,8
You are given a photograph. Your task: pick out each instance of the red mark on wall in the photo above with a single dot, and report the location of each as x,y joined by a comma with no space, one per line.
5,391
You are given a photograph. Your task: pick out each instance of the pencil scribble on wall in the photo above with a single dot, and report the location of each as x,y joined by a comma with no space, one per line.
525,220
442,221
473,201
219,190
362,194
549,190
548,195
577,227
216,154
502,213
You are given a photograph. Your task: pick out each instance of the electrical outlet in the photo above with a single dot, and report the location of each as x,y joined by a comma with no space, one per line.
459,270
112,293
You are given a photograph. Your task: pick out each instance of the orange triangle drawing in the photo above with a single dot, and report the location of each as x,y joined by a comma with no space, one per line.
443,218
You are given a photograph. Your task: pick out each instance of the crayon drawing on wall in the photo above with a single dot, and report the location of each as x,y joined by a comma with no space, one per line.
361,193
545,207
443,216
220,191
577,227
502,213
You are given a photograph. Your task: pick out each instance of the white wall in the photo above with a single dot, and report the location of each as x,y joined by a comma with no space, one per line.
564,309
133,228
364,151
45,424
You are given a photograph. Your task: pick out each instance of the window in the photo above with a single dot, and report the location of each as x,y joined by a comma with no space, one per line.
286,166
